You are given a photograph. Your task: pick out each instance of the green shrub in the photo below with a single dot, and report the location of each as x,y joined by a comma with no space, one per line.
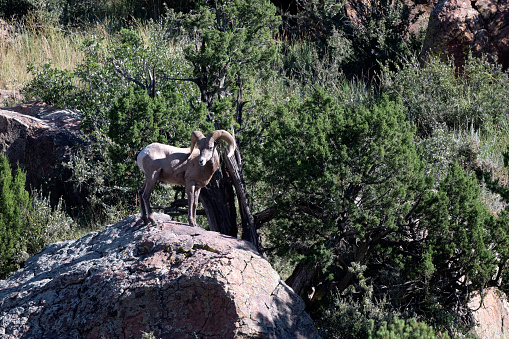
435,93
405,329
358,313
73,12
54,87
14,199
354,312
136,120
371,33
27,224
46,224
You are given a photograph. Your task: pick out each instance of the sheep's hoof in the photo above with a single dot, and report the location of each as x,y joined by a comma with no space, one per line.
152,221
148,221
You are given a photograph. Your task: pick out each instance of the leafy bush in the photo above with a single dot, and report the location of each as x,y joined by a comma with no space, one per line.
435,94
14,199
372,33
358,313
46,224
405,329
27,224
304,65
136,120
54,87
354,312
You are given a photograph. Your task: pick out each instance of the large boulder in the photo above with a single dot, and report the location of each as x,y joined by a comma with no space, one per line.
172,280
38,138
457,26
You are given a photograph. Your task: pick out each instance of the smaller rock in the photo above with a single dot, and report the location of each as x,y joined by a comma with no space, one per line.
38,138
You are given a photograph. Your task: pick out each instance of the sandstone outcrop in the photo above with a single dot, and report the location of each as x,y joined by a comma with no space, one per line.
171,280
456,27
38,138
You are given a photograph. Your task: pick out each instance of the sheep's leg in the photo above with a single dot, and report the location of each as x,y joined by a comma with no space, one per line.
195,199
192,202
143,208
145,197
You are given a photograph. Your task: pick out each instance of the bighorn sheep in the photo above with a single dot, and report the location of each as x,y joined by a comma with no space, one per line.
189,167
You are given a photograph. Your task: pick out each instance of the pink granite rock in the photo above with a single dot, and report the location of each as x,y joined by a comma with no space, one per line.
457,26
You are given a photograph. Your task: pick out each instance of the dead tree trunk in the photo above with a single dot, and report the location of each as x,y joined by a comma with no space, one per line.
218,200
249,229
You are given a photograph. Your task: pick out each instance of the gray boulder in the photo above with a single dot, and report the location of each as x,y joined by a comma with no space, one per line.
38,138
171,280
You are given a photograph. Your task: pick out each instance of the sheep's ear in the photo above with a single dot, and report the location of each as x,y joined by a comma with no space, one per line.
195,137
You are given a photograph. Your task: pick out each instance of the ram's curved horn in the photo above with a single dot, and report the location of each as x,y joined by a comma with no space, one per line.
195,137
224,135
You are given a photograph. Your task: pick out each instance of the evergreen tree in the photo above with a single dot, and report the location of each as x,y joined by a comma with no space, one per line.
453,252
343,181
13,200
233,45
136,120
349,190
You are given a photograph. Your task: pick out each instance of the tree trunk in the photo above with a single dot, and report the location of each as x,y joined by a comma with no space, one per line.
249,229
218,200
301,280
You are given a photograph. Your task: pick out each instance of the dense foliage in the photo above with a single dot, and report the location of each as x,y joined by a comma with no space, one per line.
73,12
13,200
27,223
352,176
367,171
434,94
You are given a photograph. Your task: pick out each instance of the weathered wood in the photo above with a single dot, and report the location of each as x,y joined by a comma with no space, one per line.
249,229
218,200
264,216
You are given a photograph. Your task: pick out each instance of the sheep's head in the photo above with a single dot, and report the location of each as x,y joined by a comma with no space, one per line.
207,146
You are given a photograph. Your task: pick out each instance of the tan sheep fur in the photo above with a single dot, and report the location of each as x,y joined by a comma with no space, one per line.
188,167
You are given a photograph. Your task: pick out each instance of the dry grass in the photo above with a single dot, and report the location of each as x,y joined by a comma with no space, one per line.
37,43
